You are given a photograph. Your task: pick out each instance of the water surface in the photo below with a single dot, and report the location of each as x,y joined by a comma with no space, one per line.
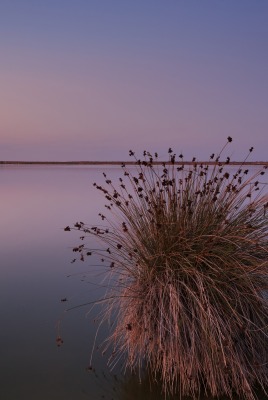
37,202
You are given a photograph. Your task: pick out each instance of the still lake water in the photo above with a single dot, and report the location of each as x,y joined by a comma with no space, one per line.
37,202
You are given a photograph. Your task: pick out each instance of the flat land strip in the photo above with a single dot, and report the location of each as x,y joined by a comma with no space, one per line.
119,163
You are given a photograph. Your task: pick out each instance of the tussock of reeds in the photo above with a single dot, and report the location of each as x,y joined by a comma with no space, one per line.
187,254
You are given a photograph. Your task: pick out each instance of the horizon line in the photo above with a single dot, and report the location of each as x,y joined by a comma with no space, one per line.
157,162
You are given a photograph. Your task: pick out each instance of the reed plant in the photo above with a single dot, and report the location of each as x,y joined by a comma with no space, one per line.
186,252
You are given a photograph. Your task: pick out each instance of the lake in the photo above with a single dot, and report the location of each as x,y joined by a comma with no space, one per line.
37,202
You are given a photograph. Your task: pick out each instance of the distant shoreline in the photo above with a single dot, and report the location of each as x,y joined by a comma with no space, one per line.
119,163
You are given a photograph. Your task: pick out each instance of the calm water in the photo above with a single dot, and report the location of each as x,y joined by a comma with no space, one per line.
36,204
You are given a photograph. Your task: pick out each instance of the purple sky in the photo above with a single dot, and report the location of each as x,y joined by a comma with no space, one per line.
91,79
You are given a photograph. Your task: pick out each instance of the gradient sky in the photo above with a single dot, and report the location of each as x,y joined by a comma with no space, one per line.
91,79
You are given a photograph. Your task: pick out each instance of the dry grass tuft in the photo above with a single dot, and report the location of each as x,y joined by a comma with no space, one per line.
187,257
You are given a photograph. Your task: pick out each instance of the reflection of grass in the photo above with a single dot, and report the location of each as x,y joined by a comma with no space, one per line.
187,251
147,388
133,386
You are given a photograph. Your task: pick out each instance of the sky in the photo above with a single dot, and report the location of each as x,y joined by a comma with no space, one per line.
91,79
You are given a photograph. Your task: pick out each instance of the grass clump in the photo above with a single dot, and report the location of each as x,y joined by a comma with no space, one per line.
187,255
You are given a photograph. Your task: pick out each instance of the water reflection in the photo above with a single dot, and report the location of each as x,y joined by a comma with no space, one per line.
130,387
36,204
